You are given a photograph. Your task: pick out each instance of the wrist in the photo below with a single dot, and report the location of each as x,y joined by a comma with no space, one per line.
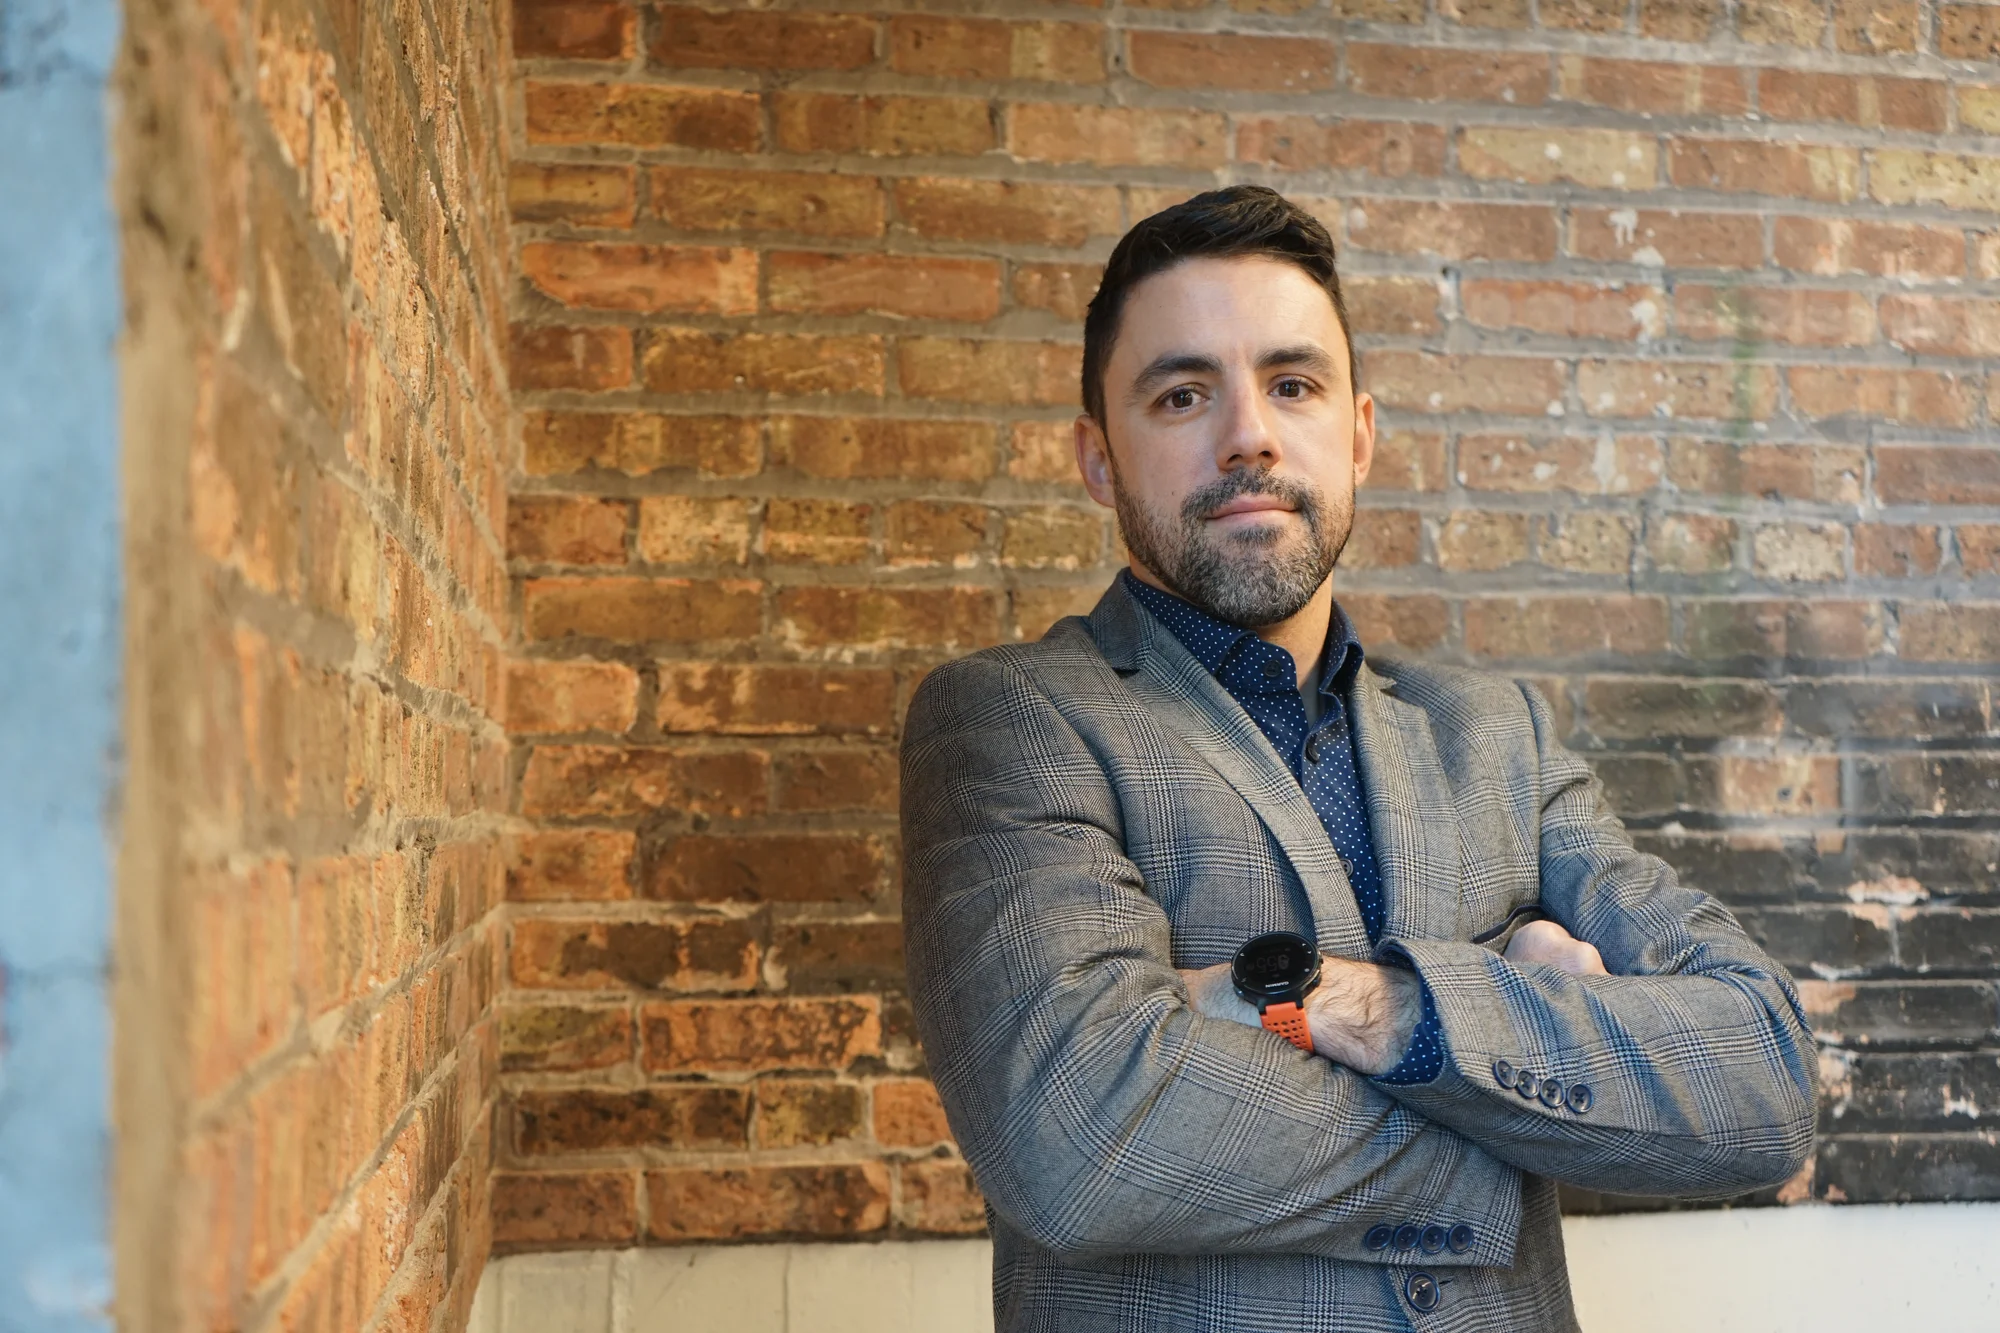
1364,1014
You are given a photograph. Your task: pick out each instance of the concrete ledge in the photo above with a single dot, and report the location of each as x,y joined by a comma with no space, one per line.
1763,1270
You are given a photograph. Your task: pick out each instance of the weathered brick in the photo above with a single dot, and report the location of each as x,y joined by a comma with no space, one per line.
1424,382
1051,537
1679,20
552,953
574,29
1667,237
1691,543
1875,27
817,532
1911,784
614,781
1064,290
1486,13
1950,632
1896,551
1894,1168
1898,710
905,285
585,194
1436,74
637,443
1115,136
873,619
1831,474
840,956
1639,708
1289,64
1306,143
779,867
796,1113
1587,542
754,1036
827,781
1863,1014
1903,104
572,695
1517,627
1914,397
841,448
559,865
570,358
1775,314
987,210
566,530
1566,309
1799,552
1822,630
1968,32
989,371
1740,166
806,202
908,1114
572,1037
760,39
694,361
1384,539
1945,325
927,532
1525,233
1589,465
738,1203
1598,158
1781,22
1655,88
939,1195
1582,15
638,610
641,116
1677,389
1979,547
694,529
538,1209
1917,176
645,279
1407,460
1856,245
602,1120
775,700
1392,305
1475,540
1417,622
882,126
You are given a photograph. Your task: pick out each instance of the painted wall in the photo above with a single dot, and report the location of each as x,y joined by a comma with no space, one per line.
59,656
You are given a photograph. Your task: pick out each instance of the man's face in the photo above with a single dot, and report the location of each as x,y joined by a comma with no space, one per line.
1233,439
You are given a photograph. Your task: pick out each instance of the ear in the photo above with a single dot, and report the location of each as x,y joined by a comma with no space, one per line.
1364,437
1093,460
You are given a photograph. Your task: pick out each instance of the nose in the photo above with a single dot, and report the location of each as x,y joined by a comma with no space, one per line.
1247,437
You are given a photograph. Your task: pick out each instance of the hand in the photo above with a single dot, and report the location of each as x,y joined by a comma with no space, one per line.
1361,1015
1548,943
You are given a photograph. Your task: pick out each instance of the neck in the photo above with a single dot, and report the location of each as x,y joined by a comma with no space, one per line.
1302,634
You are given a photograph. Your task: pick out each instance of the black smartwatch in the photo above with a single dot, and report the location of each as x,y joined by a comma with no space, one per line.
1276,972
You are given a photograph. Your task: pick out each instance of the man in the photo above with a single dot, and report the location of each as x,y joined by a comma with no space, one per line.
1269,985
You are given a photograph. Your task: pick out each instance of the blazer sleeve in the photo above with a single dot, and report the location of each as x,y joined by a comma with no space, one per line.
1099,1113
1690,1070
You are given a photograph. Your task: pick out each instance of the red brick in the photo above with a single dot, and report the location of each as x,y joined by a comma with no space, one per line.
1856,245
940,1196
1288,64
1829,474
1787,630
1306,143
1392,305
1439,74
1781,22
641,116
535,1210
1667,237
334,926
646,279
1408,461
1799,552
574,29
1114,136
1524,233
839,957
817,532
1519,627
1937,474
989,371
588,195
766,1202
878,449
575,695
1691,543
694,361
1948,326
1949,632
874,619
837,780
566,530
1583,464
1678,389
555,954
754,1036
1603,159
881,126
569,358
1486,13
1678,20
695,529
1064,290
638,443
1424,382
989,210
807,202
1746,166
1916,397
632,610
1979,548
1566,309
1794,315
615,781
1475,541
571,865
925,532
806,1112
599,1120
1875,27
905,285
967,48
788,867
908,1114
1656,88
1951,180
775,700
565,1037
761,39
1896,551
1901,104
1968,32
1414,621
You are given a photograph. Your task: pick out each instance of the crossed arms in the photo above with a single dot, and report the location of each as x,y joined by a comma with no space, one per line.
1103,1112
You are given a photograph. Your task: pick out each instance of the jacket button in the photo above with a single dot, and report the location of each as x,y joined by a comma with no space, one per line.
1552,1093
1312,748
1460,1238
1407,1234
1378,1237
1422,1289
1579,1097
1503,1073
1528,1084
1432,1240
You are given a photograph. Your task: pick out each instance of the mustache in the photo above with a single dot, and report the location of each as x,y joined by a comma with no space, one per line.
1205,500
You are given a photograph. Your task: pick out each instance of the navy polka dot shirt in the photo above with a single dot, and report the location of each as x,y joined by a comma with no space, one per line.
1263,678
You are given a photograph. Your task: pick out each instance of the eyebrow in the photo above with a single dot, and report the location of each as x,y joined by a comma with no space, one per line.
1306,356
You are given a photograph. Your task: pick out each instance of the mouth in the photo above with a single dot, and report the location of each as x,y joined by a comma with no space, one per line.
1250,506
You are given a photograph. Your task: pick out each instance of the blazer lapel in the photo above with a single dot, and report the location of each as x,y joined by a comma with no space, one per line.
1183,695
1411,813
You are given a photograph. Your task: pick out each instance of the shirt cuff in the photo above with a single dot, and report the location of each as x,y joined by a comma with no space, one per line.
1423,1058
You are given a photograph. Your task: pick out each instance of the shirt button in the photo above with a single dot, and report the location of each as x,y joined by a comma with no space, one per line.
1312,748
1273,668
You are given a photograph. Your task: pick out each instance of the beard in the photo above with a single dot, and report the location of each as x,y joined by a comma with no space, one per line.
1250,578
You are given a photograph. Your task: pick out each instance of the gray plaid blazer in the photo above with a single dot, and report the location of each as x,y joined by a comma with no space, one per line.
1085,814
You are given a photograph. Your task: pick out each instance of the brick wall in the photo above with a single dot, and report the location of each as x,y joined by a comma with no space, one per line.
1680,316
315,400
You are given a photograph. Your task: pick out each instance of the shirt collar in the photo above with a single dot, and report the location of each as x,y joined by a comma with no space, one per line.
1214,642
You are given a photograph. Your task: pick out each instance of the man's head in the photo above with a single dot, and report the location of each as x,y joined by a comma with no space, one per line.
1222,418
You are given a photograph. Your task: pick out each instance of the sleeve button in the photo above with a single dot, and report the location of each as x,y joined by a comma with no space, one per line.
1580,1098
1378,1237
1407,1234
1460,1238
1528,1084
1503,1073
1432,1240
1552,1093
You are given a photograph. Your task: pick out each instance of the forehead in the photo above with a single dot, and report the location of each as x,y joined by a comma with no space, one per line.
1239,304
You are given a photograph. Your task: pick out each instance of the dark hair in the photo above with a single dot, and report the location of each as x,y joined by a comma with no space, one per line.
1241,220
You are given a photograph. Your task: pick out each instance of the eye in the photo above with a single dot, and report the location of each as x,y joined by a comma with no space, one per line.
1291,388
1181,399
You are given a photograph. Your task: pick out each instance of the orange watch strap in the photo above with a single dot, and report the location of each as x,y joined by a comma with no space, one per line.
1288,1020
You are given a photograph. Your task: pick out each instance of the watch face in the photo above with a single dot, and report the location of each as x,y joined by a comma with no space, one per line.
1276,966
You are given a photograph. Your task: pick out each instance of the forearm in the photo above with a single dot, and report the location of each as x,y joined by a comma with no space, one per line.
1361,1014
